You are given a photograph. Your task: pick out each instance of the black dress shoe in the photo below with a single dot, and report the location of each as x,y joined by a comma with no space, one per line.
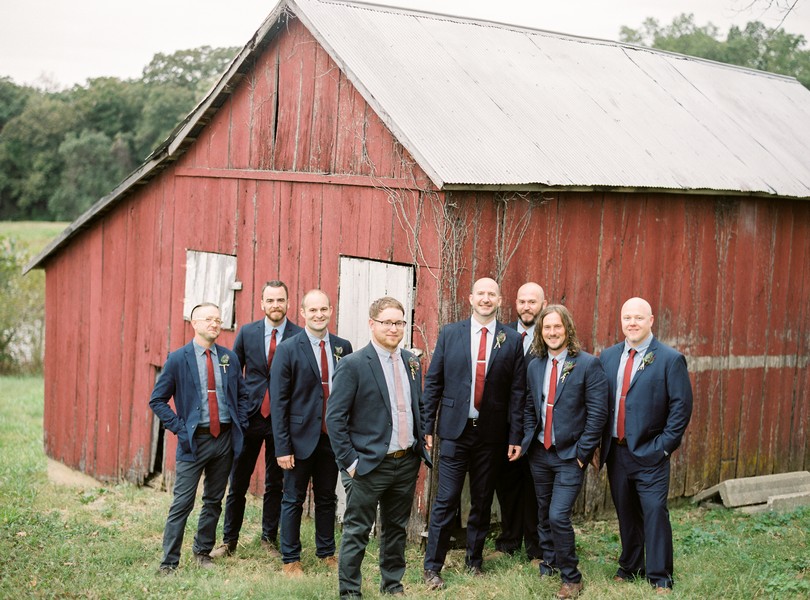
433,580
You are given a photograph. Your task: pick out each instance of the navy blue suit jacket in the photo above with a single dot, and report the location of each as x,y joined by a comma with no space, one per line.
658,405
580,406
296,394
249,347
358,414
448,385
180,380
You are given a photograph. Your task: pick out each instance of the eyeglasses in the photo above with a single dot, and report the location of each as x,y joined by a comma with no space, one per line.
390,324
209,320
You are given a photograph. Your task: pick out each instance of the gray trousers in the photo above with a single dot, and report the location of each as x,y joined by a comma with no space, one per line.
214,458
392,484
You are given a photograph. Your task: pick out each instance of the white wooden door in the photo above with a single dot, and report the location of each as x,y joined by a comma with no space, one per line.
363,281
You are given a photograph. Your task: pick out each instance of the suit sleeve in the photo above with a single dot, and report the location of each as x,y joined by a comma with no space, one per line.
239,349
529,415
517,399
434,386
281,386
596,405
242,397
164,390
339,410
679,391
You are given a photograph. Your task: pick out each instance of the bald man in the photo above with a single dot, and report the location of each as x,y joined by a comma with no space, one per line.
650,407
478,377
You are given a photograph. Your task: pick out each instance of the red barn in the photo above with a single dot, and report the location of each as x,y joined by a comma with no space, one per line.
364,149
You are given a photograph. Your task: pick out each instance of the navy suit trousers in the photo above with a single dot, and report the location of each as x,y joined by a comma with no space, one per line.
557,482
515,491
322,469
469,453
259,432
640,495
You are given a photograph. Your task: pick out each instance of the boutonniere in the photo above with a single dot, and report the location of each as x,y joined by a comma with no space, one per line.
500,338
413,363
647,360
568,366
338,353
225,362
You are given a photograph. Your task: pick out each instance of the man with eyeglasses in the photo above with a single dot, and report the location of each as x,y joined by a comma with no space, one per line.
478,377
650,397
376,432
300,385
255,347
211,398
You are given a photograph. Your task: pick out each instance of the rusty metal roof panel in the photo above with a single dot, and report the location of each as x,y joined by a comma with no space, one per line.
487,104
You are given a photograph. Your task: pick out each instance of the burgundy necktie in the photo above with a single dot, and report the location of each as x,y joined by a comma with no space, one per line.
324,383
266,402
628,375
213,407
552,391
480,370
523,336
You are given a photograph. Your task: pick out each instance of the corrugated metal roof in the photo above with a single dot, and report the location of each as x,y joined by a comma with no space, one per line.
486,104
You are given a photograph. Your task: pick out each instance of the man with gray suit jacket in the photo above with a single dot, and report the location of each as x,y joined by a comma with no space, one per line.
650,408
300,386
374,424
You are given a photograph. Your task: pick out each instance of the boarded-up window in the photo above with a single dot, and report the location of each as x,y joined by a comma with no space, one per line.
210,277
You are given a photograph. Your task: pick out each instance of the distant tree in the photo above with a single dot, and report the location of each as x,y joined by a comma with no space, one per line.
12,100
91,168
755,46
22,304
193,69
164,107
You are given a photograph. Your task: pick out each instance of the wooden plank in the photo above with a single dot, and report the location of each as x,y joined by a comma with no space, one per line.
290,82
87,380
263,110
241,123
323,132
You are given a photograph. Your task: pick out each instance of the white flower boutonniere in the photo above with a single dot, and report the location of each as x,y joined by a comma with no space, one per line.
338,353
500,338
647,360
568,366
225,362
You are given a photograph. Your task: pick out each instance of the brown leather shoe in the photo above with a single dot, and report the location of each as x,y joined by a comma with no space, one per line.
660,590
293,569
620,579
433,580
570,590
270,549
223,550
330,561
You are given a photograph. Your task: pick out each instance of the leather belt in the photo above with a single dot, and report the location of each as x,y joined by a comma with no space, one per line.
398,453
223,427
619,442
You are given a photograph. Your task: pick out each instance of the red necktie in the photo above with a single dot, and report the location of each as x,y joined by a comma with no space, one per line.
266,402
628,375
552,391
213,407
480,370
324,383
523,336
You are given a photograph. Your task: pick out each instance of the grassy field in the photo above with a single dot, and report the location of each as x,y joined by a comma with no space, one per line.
34,235
61,541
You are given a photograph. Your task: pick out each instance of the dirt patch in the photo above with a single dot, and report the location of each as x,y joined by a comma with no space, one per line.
64,475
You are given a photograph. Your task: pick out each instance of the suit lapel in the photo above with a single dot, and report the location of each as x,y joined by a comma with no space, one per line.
466,333
258,342
640,371
561,383
191,361
379,377
407,357
306,348
494,345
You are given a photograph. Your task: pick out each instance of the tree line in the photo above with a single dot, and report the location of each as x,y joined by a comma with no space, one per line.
62,151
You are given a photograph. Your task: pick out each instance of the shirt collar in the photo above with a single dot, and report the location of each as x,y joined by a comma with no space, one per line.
477,327
382,352
642,347
268,326
560,357
315,341
200,351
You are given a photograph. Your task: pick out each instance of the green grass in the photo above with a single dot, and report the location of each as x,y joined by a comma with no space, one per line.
34,235
104,542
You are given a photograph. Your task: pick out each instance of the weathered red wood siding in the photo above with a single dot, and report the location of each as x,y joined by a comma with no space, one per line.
729,283
729,279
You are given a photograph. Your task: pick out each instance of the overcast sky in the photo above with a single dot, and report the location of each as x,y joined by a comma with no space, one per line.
60,43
